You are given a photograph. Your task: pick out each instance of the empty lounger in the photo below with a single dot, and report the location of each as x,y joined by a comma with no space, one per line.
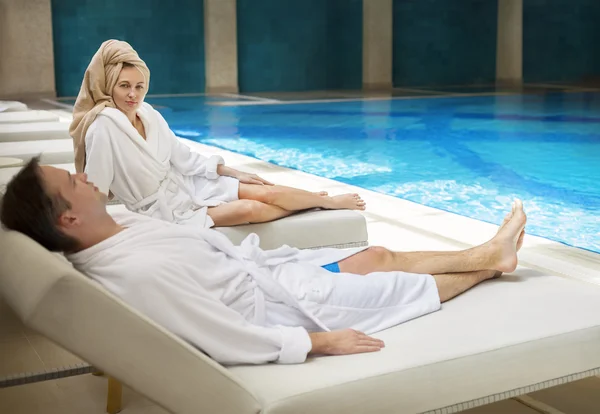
34,131
7,173
517,334
12,106
54,151
27,116
8,162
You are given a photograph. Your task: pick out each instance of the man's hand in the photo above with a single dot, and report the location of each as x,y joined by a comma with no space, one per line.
243,177
343,342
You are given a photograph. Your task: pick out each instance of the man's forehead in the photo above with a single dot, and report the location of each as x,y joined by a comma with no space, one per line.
55,177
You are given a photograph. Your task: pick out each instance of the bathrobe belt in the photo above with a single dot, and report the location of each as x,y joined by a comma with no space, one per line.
158,200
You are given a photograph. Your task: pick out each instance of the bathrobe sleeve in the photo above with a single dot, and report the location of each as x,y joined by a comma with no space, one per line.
99,157
186,161
193,314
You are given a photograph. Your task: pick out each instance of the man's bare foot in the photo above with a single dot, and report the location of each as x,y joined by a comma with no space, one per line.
345,202
520,240
508,240
506,220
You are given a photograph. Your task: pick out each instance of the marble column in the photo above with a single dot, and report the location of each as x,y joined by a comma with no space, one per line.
377,44
26,49
220,40
509,48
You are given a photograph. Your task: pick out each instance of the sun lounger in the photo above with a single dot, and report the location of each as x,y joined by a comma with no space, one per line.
34,131
53,151
12,106
518,334
9,162
7,173
27,117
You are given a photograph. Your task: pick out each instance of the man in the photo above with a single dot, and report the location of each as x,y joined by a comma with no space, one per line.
242,304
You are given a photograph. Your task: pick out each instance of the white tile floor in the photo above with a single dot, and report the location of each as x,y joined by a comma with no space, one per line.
393,223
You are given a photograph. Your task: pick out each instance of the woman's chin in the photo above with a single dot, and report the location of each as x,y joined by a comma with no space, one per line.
126,109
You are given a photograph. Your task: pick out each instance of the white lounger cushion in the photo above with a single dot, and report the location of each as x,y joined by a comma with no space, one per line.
27,116
34,131
530,330
6,162
12,106
310,229
54,151
505,337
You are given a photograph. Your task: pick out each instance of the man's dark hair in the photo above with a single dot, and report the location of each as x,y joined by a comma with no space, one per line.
27,208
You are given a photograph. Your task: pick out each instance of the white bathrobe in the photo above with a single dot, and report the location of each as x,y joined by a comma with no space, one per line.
159,177
242,304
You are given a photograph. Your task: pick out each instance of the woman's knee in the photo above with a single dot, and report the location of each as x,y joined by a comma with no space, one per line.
265,193
251,210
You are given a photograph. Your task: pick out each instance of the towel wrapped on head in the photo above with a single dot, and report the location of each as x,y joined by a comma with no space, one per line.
95,94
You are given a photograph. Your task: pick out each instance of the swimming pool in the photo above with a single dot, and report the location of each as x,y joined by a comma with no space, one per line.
468,155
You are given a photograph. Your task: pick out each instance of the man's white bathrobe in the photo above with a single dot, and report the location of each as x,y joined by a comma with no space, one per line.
159,177
242,304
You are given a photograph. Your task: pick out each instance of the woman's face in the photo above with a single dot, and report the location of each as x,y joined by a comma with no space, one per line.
130,90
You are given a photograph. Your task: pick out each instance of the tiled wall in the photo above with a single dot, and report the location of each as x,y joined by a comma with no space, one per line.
168,35
561,40
441,42
299,45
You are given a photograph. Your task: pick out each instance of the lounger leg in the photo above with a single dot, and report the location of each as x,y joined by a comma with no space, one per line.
113,399
536,405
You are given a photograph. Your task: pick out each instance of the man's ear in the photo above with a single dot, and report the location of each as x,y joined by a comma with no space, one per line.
68,220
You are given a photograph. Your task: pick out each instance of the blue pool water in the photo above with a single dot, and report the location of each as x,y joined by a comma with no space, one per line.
467,155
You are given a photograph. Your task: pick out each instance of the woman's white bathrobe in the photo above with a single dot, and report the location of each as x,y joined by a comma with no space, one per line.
242,304
159,177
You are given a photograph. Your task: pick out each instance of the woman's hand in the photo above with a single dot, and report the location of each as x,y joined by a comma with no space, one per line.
251,179
243,177
343,342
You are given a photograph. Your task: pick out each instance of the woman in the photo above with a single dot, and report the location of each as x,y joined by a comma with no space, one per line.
126,148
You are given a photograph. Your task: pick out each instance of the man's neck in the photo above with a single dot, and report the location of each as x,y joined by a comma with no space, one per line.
104,229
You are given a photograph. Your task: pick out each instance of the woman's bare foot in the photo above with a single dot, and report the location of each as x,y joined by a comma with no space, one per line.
345,202
508,240
321,193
